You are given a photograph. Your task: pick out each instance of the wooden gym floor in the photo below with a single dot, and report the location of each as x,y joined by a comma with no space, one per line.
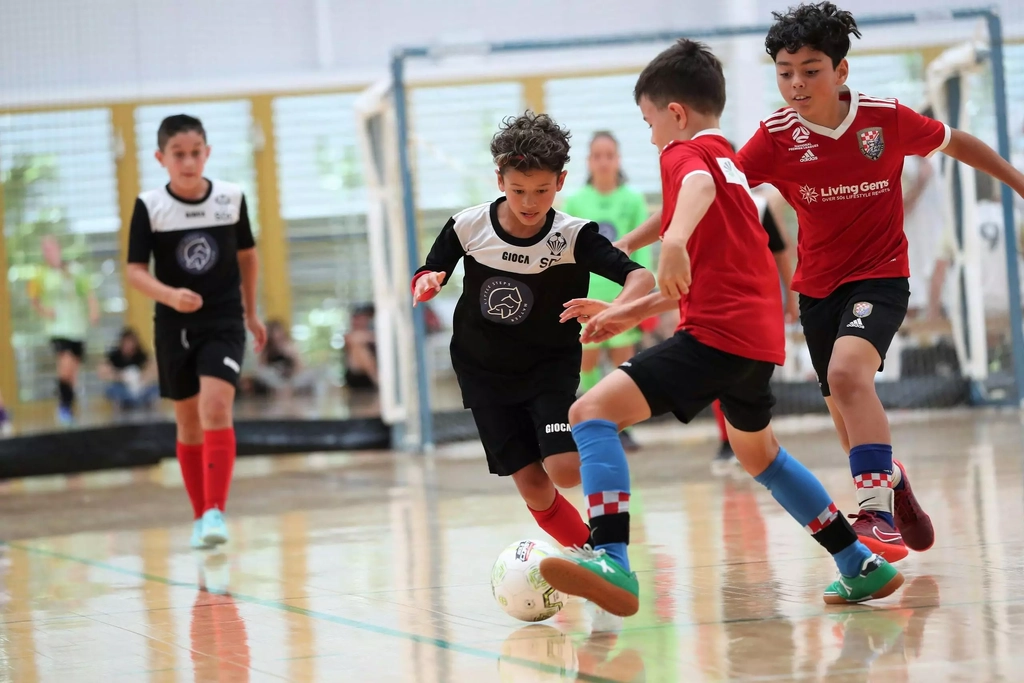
375,566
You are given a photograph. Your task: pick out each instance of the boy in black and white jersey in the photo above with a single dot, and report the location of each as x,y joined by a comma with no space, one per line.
517,363
197,232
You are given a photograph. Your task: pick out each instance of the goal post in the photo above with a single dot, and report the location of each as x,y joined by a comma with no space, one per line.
412,403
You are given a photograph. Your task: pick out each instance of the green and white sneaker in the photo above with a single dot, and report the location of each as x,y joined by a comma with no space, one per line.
592,575
877,579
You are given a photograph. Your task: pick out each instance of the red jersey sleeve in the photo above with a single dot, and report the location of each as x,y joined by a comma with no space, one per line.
920,135
757,158
678,162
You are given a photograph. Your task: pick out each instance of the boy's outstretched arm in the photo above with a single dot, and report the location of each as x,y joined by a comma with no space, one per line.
643,235
599,256
975,153
441,261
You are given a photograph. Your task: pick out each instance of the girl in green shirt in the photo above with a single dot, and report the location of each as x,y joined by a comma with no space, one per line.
617,209
63,296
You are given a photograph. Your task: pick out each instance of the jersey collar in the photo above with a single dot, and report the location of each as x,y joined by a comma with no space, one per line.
709,131
209,191
706,131
836,133
520,241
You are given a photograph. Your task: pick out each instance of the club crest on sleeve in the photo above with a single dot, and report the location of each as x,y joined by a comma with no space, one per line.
871,143
862,309
557,244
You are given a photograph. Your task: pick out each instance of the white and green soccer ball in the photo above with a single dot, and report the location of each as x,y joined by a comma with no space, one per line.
517,585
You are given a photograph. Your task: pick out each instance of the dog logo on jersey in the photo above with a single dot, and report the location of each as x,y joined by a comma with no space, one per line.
197,253
862,309
607,231
506,301
871,143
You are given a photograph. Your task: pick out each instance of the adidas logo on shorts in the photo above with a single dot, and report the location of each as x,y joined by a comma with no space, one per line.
857,323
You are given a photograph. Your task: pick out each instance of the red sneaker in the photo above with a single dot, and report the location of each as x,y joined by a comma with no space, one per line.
914,523
878,535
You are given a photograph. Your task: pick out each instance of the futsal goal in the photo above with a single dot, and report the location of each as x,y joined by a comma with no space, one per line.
424,135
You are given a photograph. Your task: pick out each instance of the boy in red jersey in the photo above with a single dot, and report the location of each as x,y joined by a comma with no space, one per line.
837,156
715,266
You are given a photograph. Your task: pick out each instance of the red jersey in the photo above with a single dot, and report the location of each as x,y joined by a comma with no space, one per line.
735,301
845,186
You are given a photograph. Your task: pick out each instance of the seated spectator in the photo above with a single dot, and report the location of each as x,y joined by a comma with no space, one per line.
280,369
130,376
360,352
5,420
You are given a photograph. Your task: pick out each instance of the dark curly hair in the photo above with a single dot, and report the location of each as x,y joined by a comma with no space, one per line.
530,142
822,27
687,73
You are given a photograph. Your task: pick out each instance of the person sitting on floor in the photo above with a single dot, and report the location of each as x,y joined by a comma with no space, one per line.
130,377
280,369
360,352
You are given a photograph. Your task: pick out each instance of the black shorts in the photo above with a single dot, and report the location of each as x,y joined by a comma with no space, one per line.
870,309
518,435
183,354
683,376
358,380
75,348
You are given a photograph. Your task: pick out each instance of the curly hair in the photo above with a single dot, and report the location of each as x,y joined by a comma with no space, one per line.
530,142
687,73
822,27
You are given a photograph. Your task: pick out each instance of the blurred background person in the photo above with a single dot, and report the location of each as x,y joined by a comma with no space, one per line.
63,296
5,419
617,209
281,370
359,355
130,376
925,221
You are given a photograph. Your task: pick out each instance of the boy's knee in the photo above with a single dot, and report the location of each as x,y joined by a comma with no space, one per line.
564,469
215,410
846,376
586,407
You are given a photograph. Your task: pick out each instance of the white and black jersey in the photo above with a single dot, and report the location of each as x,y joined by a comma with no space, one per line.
194,244
508,344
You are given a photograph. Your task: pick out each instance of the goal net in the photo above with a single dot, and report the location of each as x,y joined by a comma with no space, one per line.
425,136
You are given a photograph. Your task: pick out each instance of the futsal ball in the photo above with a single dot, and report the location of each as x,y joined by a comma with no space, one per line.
518,586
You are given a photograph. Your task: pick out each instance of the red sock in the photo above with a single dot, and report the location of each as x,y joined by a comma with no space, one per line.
190,459
723,435
563,522
219,462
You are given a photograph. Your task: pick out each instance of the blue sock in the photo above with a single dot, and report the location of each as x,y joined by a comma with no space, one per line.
796,489
872,459
851,558
605,476
800,493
